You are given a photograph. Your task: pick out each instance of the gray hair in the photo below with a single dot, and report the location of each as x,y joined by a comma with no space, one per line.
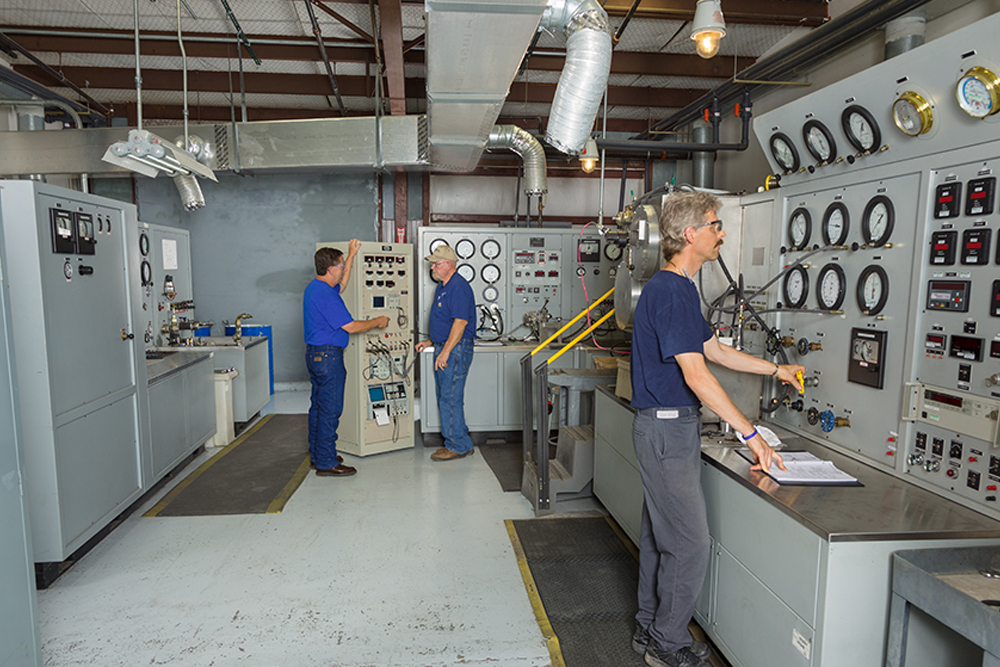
680,211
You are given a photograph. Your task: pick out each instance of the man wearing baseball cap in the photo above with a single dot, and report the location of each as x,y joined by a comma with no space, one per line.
452,333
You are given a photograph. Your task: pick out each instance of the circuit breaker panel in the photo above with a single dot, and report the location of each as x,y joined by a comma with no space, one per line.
378,398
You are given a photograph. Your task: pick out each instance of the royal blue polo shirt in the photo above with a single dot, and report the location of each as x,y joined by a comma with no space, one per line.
324,315
453,300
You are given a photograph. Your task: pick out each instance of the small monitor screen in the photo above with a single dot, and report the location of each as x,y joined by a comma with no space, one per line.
378,302
376,394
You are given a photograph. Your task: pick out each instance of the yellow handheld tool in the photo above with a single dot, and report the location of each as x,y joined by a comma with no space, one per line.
802,382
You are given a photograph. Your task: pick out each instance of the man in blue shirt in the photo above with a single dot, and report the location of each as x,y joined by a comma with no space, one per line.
670,381
327,325
452,332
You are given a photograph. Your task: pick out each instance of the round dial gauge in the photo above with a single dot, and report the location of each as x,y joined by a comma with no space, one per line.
878,220
784,152
819,141
612,251
68,270
465,249
143,244
466,272
437,243
490,293
912,114
799,228
490,249
836,223
146,273
978,92
866,350
830,287
796,287
873,290
861,129
490,273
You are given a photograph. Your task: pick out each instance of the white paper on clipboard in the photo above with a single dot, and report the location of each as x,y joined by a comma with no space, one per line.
169,247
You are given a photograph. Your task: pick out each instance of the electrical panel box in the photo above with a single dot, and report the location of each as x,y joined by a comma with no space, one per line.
165,280
378,398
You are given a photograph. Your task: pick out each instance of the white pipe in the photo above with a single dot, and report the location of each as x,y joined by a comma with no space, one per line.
585,75
531,151
138,74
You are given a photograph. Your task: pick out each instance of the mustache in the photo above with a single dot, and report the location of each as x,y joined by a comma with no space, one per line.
719,243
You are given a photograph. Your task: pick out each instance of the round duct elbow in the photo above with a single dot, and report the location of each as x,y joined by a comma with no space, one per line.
191,195
531,151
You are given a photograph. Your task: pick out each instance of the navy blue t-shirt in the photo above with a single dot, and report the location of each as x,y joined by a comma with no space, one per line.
324,314
453,300
667,322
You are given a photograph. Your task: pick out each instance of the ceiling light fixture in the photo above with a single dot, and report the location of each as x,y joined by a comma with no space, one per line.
589,156
708,28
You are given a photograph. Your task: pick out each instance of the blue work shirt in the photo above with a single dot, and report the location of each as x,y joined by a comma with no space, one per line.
452,301
667,322
324,315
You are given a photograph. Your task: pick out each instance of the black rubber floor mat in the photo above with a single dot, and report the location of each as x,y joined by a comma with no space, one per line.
256,474
505,460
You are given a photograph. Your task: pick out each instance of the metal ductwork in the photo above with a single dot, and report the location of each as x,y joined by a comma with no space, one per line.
585,75
520,141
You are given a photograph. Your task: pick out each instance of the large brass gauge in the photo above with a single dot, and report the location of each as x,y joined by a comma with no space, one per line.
799,228
912,114
873,290
978,92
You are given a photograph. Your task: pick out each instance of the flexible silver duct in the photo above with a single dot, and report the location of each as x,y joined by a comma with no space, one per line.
531,151
585,75
190,191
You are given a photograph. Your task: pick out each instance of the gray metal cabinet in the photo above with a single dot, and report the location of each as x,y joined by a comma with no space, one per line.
252,387
182,411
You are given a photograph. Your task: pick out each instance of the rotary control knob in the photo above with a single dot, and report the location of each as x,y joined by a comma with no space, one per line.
812,416
796,405
932,465
826,421
993,380
805,347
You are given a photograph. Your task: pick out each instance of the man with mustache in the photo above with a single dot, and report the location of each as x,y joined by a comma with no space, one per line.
670,381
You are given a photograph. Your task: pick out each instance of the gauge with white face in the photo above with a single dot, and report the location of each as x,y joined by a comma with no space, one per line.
796,287
873,290
490,293
799,228
836,223
912,114
830,287
878,221
490,273
784,153
978,92
861,129
612,251
490,249
819,141
465,249
143,244
435,244
466,272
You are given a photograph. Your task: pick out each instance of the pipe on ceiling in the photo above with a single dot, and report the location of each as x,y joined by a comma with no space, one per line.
326,59
585,74
520,141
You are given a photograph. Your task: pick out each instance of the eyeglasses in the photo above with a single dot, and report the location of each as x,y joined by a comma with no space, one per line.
717,223
337,266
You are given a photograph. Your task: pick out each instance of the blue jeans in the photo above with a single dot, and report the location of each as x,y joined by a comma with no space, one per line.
674,542
328,376
450,385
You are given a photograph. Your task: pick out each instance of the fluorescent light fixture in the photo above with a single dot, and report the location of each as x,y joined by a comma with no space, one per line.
148,154
708,28
589,156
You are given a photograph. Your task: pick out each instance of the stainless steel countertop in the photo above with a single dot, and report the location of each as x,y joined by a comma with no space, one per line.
174,361
883,509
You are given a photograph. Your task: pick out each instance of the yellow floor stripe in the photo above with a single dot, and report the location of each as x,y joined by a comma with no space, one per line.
167,499
278,503
555,652
626,540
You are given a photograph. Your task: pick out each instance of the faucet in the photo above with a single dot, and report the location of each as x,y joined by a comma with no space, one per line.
239,326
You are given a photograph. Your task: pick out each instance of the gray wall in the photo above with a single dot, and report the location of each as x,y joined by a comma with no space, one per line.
252,244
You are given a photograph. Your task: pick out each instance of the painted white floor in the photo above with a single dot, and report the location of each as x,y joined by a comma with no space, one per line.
408,563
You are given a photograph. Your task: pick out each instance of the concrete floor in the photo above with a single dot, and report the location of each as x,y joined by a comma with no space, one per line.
406,564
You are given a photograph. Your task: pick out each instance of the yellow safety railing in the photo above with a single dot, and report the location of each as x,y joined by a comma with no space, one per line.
573,321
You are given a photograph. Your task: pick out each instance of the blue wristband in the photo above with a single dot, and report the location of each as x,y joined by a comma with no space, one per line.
746,438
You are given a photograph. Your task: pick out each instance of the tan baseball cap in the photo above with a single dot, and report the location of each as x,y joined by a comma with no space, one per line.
442,252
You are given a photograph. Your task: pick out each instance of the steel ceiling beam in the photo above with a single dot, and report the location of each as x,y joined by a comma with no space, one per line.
343,20
391,28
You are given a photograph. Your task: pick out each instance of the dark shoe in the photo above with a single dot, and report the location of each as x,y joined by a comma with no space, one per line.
340,459
445,454
640,640
339,471
680,658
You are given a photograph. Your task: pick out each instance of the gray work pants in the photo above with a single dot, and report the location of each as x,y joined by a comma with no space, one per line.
674,543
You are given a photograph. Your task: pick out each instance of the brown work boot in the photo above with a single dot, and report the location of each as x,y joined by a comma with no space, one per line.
445,454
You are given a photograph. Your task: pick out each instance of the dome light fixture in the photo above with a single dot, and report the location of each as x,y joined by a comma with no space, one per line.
589,156
708,28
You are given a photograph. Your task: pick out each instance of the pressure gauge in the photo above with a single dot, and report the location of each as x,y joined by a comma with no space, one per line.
799,228
146,273
912,114
437,243
784,152
873,290
819,141
830,287
861,129
878,220
612,251
490,293
466,272
490,249
796,287
465,249
490,273
143,244
978,92
836,223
